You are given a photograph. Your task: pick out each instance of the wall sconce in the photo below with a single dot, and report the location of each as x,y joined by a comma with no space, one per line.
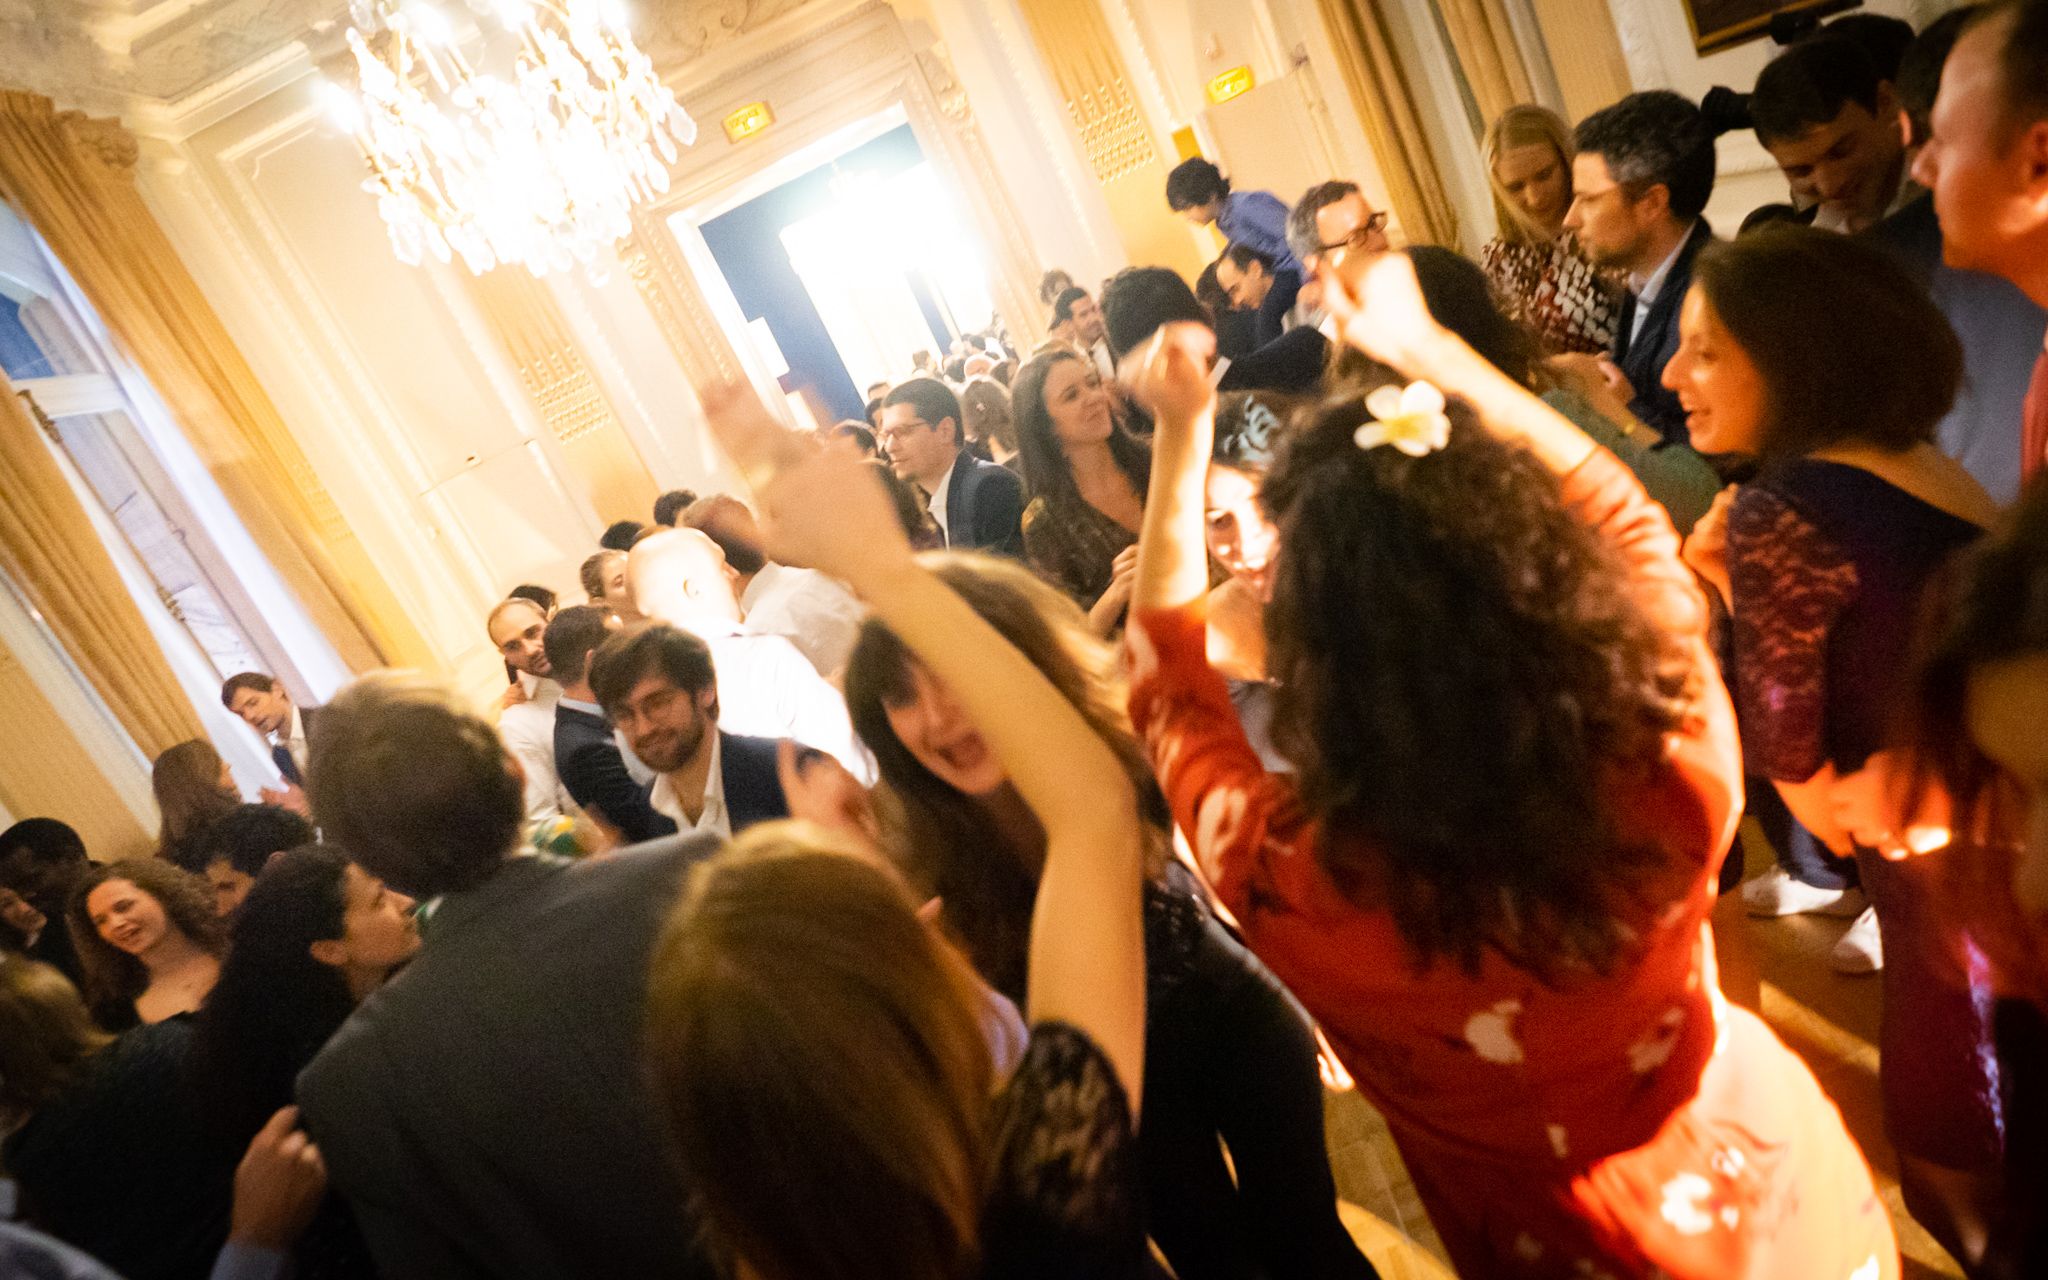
748,121
1231,84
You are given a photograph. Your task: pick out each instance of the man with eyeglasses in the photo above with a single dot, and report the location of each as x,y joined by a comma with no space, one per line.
976,504
1640,182
1334,219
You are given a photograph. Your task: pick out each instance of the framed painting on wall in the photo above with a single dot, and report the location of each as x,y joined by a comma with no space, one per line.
1723,24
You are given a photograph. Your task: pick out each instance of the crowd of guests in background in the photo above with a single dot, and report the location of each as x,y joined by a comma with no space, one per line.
1380,643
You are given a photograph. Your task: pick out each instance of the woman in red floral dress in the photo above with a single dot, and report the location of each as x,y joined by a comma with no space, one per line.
1517,774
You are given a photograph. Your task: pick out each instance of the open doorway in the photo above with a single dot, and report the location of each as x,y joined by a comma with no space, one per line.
849,271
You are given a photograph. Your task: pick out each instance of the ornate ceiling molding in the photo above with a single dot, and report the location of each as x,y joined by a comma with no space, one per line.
161,55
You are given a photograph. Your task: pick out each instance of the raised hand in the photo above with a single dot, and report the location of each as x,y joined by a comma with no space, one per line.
818,510
1375,304
278,1185
819,789
1169,374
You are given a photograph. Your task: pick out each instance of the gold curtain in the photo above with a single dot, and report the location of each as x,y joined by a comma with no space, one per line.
73,179
54,555
1484,40
1393,120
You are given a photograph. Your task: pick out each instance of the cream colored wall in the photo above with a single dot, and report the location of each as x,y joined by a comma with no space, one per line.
411,415
1658,45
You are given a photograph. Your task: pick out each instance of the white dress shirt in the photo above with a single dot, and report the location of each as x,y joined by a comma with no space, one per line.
937,504
1647,288
295,740
528,729
809,609
768,689
713,816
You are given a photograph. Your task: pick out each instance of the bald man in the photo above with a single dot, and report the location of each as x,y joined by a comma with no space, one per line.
516,627
766,687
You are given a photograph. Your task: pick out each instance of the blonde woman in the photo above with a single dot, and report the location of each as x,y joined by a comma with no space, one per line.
1534,263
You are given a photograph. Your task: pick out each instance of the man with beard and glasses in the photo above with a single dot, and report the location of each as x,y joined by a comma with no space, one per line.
658,685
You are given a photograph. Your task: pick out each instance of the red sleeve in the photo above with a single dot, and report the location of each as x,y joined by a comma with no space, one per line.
1232,811
1790,584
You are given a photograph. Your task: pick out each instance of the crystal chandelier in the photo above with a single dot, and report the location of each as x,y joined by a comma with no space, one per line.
541,167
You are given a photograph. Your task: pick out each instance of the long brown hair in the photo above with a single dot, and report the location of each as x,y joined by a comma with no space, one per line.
46,1036
1047,473
112,975
189,796
943,838
790,957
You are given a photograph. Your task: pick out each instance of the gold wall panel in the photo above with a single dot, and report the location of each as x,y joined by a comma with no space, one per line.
1089,72
601,458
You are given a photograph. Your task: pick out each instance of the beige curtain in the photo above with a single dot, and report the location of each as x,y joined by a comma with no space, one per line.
53,553
1484,41
1393,120
72,178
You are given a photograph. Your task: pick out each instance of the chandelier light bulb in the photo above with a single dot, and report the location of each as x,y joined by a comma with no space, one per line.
538,163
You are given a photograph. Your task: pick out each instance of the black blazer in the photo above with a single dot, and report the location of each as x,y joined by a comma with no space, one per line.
281,755
985,508
487,1113
1644,358
753,786
1293,362
593,772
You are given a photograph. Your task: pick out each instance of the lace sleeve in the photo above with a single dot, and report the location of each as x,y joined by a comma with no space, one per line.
1064,1198
1790,582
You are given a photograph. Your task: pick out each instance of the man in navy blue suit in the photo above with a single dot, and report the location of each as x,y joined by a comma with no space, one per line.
264,706
976,503
1640,182
657,684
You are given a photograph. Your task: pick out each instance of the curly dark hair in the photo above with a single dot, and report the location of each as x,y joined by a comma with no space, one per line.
113,978
1463,668
274,1005
942,837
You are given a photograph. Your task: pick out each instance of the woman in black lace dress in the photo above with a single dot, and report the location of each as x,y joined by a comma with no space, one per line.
1816,355
817,1048
1229,1058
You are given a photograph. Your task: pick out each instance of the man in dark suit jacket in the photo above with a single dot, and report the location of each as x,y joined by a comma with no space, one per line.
587,756
1138,301
1644,172
976,504
659,685
264,706
486,1112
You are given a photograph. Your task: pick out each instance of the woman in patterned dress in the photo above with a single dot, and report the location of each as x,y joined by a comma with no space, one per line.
1516,777
1535,264
1085,476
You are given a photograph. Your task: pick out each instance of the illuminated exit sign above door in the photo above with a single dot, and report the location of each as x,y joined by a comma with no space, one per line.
1230,84
748,121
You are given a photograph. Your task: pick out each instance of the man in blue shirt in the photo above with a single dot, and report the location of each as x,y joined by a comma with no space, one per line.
1198,191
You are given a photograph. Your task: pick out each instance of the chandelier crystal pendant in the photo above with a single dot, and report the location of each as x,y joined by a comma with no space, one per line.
540,167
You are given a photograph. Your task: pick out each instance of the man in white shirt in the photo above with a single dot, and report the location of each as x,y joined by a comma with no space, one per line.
658,684
766,687
815,613
1831,121
527,723
1077,320
263,705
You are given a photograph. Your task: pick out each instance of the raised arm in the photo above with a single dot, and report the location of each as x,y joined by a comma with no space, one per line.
1087,965
1379,309
1169,376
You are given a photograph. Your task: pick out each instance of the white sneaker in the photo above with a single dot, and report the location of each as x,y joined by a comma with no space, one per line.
1861,950
1776,893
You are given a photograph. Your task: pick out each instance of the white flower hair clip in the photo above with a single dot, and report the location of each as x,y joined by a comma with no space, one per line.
1410,418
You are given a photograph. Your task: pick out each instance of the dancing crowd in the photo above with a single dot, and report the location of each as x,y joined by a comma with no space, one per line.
950,856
